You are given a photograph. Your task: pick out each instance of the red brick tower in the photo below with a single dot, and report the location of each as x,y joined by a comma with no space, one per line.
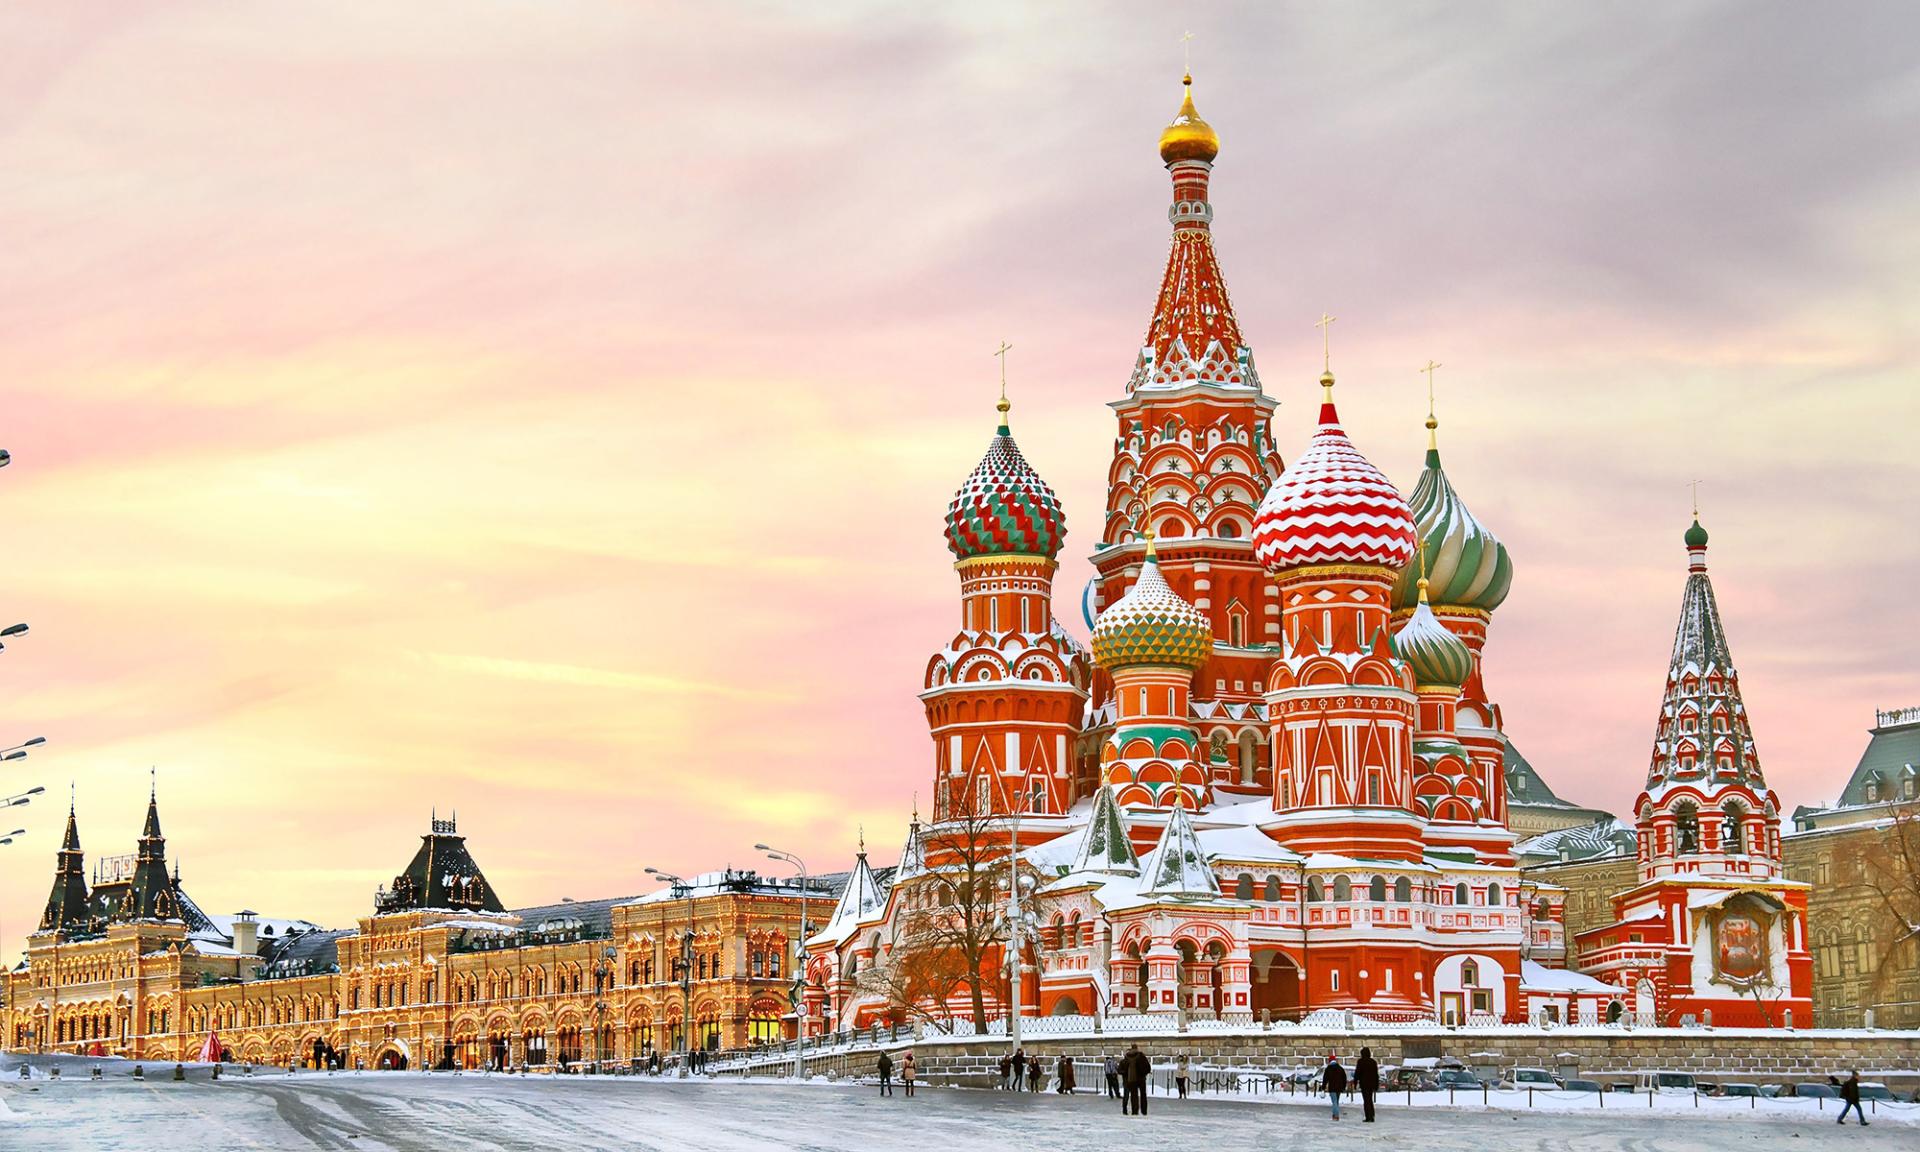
1192,459
1714,928
1005,696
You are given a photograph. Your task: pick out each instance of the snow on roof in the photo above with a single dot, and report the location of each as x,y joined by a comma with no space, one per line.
1104,846
859,900
1178,866
1538,977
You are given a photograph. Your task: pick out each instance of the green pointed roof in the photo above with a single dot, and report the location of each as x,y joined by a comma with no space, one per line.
1178,865
1105,847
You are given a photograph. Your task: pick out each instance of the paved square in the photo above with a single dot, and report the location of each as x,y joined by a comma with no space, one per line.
372,1112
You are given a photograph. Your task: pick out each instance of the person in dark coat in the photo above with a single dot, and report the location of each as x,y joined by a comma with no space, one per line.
1006,1068
885,1067
1366,1077
1036,1074
1135,1068
1334,1079
1111,1067
1019,1069
1063,1075
1850,1093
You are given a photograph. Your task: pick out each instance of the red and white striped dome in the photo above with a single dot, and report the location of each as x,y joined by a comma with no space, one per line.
1332,507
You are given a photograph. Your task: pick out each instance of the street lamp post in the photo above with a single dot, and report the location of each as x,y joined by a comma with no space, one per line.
682,892
799,962
1016,959
16,801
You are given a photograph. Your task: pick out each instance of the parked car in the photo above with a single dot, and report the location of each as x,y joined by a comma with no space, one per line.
1814,1090
1874,1090
1583,1086
1621,1086
1407,1080
1533,1078
1665,1082
1455,1078
1742,1091
1773,1091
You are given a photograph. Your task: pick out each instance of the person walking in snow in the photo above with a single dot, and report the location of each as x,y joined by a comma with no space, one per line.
1335,1080
1036,1074
1366,1077
906,1074
1180,1066
885,1065
1063,1075
1006,1066
1850,1094
1112,1068
1019,1069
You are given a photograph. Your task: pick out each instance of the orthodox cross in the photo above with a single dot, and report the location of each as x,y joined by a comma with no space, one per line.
1696,499
1001,353
1186,46
1326,341
1429,371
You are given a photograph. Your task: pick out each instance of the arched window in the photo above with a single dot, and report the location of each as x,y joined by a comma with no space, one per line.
1315,891
1732,839
1342,888
1273,889
1243,887
1686,829
1494,896
1229,530
1460,893
1470,975
1377,891
1403,890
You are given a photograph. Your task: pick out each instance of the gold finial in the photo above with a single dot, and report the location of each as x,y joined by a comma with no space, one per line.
1146,534
1433,440
863,839
1421,544
1002,407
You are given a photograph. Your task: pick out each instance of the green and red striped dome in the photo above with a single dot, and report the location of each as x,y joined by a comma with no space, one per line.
1004,508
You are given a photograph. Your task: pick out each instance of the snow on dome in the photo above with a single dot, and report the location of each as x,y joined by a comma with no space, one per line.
1437,656
1151,624
1467,566
1005,508
1104,847
1332,507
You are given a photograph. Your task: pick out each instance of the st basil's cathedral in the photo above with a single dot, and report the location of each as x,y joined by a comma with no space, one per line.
1276,785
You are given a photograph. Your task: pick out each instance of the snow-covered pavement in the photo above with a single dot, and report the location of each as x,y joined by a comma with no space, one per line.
374,1112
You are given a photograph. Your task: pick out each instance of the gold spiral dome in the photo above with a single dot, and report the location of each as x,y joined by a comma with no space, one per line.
1189,137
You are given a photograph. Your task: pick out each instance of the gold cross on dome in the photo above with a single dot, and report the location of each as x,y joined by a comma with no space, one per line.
1430,366
1696,499
1186,45
1326,340
1001,352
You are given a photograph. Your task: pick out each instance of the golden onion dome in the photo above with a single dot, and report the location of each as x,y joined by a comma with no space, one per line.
1189,137
1151,625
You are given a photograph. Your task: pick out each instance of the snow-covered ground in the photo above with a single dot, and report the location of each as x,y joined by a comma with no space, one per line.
404,1112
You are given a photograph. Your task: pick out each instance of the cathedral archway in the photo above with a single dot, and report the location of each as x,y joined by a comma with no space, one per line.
1276,985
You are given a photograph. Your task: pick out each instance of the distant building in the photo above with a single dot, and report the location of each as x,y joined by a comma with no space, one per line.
1532,807
440,974
1887,776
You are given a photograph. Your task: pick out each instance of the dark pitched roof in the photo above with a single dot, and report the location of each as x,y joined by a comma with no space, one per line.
442,874
1524,783
304,954
595,917
1892,756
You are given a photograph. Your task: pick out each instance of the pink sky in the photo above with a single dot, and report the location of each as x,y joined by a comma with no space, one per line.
547,411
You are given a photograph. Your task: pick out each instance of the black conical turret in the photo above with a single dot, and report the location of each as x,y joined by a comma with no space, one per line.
151,896
67,905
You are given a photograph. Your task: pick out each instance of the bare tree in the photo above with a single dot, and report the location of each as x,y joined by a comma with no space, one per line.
951,928
1893,872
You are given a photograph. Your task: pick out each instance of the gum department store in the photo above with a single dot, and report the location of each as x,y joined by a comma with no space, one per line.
1277,783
